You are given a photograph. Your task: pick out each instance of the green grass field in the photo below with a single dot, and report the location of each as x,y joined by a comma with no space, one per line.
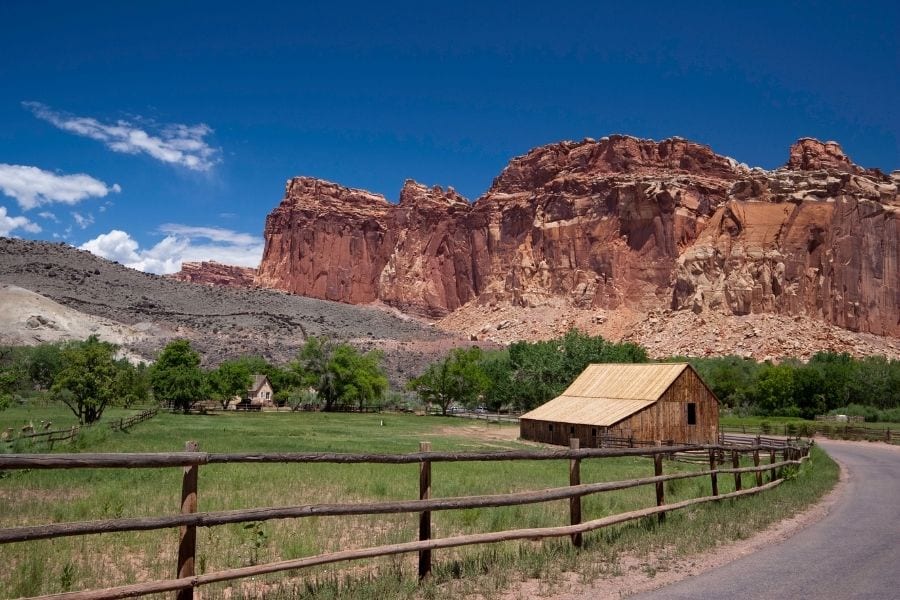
34,497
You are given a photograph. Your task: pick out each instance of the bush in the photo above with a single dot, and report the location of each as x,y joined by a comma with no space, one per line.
891,415
869,413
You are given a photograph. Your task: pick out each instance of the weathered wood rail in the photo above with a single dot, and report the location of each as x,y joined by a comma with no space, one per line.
829,429
124,424
189,519
48,437
52,436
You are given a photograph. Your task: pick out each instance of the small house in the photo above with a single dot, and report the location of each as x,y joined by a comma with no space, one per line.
635,402
260,392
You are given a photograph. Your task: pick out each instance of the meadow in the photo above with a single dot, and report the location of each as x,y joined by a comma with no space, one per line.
34,497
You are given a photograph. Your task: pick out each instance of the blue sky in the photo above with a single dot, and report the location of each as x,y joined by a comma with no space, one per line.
161,131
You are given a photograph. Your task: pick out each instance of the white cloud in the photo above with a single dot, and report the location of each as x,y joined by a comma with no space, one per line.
48,215
83,221
183,243
216,234
176,144
32,187
8,224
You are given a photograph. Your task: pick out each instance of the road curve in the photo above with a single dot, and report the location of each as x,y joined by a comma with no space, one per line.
854,552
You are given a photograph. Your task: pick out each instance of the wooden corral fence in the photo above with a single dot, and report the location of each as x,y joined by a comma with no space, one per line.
841,418
730,442
853,432
49,437
189,519
52,436
827,429
124,424
483,416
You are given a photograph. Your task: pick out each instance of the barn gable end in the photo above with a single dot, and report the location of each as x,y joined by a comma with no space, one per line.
642,402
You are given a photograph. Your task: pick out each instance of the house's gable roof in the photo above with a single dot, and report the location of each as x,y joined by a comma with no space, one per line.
605,394
258,382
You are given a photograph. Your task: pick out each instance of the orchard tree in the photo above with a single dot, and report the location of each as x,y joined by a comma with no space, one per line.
176,377
357,376
339,373
87,382
44,362
231,379
457,378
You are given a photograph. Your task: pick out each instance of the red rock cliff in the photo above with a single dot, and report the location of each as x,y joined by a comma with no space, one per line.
619,222
214,273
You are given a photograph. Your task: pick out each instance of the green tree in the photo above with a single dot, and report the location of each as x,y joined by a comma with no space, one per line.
176,377
132,383
358,377
12,374
44,362
501,390
87,382
773,390
808,391
312,368
339,372
457,378
230,379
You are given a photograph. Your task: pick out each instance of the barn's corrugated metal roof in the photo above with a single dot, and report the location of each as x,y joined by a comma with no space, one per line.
605,394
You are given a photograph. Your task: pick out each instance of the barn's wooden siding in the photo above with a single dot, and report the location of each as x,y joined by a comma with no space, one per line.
665,420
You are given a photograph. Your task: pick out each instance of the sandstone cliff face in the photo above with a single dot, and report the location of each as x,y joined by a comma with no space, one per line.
820,243
613,223
429,269
326,241
599,222
214,273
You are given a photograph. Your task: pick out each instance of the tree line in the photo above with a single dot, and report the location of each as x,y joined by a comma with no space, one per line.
519,377
88,376
828,383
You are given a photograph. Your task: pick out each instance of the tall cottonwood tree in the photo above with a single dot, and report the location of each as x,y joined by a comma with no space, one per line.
87,381
176,377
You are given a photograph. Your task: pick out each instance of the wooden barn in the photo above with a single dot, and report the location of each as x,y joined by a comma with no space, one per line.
639,402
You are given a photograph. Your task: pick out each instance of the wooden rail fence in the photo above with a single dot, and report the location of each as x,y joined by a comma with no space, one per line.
124,424
828,429
189,519
49,437
52,436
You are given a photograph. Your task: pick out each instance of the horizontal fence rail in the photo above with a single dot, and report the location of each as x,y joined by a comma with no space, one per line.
189,519
829,429
135,460
124,424
51,436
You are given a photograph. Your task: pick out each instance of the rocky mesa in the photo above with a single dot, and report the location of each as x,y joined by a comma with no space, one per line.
215,273
613,224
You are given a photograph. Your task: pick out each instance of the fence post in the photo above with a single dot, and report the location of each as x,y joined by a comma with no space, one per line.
660,487
759,477
575,502
713,477
736,463
773,475
187,544
425,515
887,436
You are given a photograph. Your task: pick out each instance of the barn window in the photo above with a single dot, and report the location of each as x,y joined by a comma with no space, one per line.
692,413
550,426
572,429
594,431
